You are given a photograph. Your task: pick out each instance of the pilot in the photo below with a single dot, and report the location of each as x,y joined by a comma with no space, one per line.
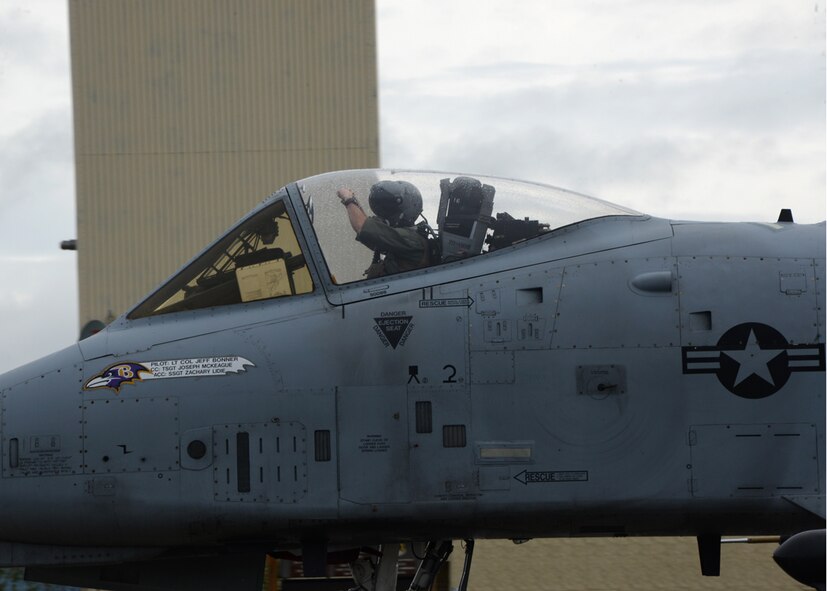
396,205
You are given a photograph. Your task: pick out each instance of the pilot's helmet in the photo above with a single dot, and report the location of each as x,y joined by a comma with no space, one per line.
397,202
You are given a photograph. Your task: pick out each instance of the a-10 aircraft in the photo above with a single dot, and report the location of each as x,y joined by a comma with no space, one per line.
560,367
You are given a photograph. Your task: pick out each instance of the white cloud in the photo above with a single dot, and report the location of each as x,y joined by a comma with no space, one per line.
34,61
694,110
431,35
37,208
38,307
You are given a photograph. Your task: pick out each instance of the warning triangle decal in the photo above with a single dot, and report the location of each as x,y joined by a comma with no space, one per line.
393,329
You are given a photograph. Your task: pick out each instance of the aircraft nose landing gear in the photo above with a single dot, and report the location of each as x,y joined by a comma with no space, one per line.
466,566
435,556
381,576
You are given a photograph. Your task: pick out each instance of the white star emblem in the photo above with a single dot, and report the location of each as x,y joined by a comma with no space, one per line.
753,360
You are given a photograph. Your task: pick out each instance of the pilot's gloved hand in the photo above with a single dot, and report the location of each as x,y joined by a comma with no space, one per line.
344,194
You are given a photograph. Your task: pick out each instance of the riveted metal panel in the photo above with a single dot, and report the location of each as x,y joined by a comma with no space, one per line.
516,311
37,443
492,367
602,305
441,459
115,438
373,444
765,460
260,462
738,290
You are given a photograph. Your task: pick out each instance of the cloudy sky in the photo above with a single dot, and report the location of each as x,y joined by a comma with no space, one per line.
697,109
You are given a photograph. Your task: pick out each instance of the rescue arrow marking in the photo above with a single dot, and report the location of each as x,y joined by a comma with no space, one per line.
447,303
527,477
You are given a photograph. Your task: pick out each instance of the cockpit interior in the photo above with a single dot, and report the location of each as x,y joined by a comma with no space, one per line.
462,216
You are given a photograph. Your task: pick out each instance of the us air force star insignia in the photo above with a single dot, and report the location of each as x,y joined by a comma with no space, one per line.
753,360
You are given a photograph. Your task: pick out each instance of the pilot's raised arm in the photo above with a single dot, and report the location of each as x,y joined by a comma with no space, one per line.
396,205
355,213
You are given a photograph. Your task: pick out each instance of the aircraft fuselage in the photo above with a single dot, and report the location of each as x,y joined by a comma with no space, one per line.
624,375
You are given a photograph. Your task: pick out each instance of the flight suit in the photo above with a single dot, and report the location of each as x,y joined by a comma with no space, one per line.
404,248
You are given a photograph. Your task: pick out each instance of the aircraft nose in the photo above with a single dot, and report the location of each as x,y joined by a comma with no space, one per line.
42,415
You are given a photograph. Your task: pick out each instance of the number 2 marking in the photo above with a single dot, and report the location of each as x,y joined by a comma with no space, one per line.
450,379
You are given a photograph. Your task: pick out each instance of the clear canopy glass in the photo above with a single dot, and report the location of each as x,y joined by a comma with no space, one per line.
347,260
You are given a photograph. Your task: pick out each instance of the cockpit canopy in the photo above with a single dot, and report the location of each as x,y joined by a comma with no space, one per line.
470,214
265,255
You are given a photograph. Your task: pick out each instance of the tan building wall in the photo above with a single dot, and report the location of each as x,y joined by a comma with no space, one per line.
188,113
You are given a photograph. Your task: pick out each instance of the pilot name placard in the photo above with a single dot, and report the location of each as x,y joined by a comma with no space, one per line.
206,366
115,376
